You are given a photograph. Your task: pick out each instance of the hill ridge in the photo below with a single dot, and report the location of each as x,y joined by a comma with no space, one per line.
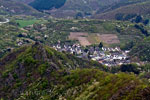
38,71
141,9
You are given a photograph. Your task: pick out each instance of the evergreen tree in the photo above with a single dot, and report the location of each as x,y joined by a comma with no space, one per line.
146,22
138,19
100,45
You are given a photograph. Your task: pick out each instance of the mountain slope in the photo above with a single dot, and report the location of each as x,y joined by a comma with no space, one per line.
39,54
84,8
134,9
47,4
17,8
32,63
118,4
65,8
87,84
141,50
39,72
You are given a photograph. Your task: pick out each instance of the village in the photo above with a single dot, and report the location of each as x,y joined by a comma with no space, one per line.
104,55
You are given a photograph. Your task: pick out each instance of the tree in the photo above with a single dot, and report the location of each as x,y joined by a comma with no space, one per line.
13,22
130,68
100,45
2,19
129,45
141,28
130,16
86,50
146,22
119,16
138,19
79,15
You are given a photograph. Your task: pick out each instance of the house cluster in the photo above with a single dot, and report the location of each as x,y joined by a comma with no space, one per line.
73,49
106,56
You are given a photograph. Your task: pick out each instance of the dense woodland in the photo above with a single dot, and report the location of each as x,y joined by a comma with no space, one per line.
47,4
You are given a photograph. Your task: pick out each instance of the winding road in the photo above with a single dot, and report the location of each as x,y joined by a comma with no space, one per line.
7,20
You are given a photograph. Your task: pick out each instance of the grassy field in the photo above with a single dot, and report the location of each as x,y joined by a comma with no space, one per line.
24,23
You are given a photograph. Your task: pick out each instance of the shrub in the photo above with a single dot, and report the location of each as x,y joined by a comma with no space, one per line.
42,69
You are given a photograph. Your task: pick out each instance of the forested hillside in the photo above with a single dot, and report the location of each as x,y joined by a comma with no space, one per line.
141,50
126,11
84,8
47,4
11,7
37,71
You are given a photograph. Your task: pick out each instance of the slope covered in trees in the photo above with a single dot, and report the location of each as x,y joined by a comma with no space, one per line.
129,11
86,8
39,72
47,4
72,8
141,50
11,7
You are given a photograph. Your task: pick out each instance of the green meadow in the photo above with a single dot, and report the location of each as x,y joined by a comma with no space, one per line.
23,23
